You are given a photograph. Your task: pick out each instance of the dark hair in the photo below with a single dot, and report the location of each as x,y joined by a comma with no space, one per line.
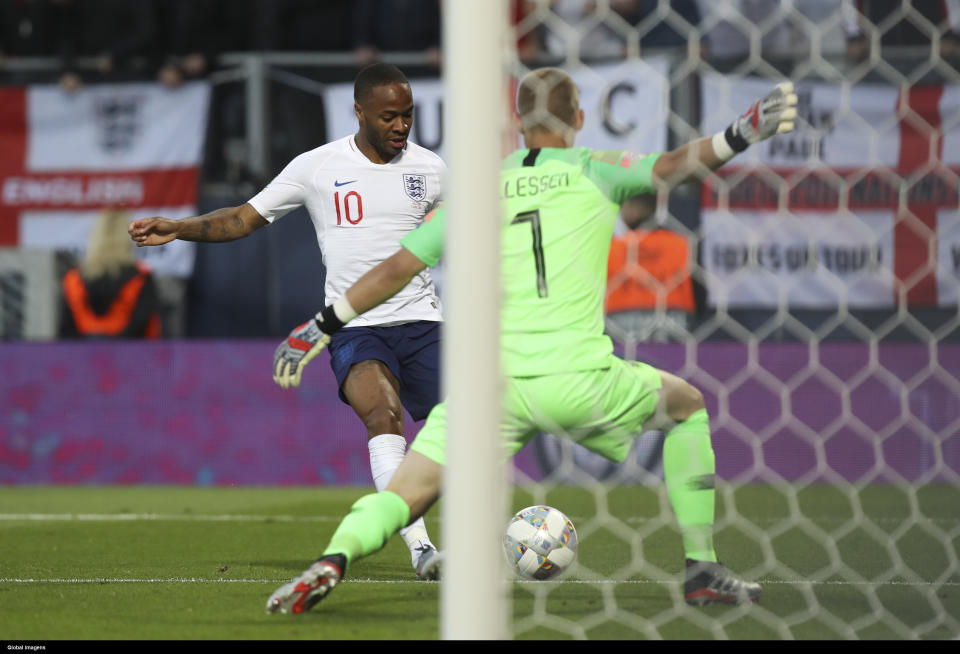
375,75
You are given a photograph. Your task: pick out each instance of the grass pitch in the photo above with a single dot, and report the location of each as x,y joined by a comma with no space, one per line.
149,563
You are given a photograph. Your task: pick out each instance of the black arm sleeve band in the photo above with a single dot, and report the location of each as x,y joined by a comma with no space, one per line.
328,322
736,142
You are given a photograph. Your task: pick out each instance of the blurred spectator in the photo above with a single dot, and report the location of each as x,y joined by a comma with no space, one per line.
190,37
118,34
602,33
528,42
786,29
30,28
249,26
597,32
950,30
311,26
650,295
110,295
193,33
898,29
672,32
396,26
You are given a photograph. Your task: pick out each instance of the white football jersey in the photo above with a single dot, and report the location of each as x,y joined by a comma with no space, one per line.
361,210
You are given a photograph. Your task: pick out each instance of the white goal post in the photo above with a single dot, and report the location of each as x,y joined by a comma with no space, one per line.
473,597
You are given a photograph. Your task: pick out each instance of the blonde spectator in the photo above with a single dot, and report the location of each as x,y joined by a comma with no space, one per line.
110,294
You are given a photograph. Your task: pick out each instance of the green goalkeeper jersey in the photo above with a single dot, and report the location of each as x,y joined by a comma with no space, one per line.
559,208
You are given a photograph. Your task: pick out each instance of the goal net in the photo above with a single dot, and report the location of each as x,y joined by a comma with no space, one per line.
808,289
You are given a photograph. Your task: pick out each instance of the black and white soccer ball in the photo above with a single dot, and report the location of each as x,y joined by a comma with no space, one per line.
540,543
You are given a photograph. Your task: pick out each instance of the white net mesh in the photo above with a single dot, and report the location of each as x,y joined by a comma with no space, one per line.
814,305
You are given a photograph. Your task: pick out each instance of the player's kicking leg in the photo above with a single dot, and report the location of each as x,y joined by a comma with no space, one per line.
373,391
372,520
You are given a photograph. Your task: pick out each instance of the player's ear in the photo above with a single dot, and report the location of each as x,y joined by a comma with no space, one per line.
516,123
358,110
570,135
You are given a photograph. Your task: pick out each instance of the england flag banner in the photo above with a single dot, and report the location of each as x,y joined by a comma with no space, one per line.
626,107
67,157
857,207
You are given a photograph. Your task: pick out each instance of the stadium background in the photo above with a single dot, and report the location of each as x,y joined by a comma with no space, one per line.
83,413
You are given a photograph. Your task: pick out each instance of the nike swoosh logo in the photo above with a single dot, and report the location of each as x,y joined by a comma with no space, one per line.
344,183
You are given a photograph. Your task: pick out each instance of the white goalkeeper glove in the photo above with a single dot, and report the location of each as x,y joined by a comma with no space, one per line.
773,114
307,341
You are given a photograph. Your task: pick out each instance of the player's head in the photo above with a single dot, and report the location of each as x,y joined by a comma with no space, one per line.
383,103
548,104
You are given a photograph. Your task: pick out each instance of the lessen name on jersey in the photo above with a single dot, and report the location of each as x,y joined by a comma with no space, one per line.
531,185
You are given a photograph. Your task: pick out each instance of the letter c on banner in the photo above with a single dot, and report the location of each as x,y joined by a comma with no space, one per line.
608,120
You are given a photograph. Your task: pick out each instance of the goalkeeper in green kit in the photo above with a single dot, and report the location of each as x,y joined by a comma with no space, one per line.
560,204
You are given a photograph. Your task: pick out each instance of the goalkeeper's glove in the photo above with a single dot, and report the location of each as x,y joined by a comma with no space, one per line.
773,114
302,345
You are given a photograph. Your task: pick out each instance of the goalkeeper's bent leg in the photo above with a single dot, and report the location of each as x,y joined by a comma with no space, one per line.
689,472
372,520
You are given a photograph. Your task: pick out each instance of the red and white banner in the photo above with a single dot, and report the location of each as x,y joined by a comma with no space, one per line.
858,207
65,157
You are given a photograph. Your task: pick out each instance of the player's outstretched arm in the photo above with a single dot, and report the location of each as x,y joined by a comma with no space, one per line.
774,114
306,341
227,224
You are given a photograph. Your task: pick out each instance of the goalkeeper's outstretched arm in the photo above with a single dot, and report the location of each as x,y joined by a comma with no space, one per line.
384,280
774,114
377,285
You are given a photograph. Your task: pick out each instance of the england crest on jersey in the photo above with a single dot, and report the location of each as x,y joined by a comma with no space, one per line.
415,187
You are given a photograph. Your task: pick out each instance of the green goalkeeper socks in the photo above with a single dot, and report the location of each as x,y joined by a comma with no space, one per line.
372,520
689,471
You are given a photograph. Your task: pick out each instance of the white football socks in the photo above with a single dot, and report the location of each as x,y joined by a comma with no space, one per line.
386,453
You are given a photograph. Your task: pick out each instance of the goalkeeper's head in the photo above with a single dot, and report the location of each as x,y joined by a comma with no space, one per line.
548,104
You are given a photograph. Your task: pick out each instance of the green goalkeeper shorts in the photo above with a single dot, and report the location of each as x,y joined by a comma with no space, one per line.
603,410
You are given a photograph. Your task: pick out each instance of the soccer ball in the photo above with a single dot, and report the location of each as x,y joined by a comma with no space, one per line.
540,543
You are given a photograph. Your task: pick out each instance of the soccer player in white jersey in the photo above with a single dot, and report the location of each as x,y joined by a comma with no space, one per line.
363,192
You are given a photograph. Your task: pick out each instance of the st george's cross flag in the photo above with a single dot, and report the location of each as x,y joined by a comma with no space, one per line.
65,157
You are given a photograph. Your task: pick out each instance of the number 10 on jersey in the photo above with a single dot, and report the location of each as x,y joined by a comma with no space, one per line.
352,210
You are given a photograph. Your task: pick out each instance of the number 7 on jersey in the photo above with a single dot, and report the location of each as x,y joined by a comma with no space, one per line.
533,217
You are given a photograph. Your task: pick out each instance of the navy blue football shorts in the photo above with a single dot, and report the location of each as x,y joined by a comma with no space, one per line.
410,350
